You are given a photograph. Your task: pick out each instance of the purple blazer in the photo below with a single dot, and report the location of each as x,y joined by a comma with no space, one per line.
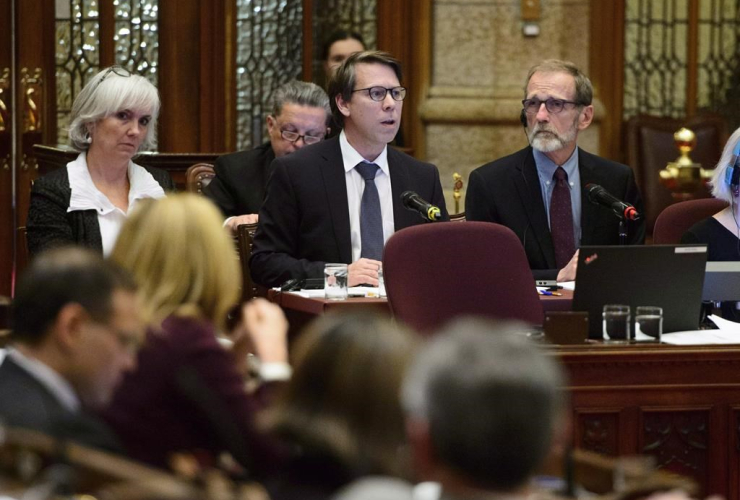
186,396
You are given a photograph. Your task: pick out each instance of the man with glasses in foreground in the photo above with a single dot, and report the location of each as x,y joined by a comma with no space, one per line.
76,330
300,116
538,191
339,201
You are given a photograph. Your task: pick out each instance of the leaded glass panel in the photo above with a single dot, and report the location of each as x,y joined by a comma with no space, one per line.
656,57
351,15
77,54
78,46
719,64
269,40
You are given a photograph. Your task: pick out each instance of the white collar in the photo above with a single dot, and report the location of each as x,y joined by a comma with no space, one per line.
85,196
54,383
350,156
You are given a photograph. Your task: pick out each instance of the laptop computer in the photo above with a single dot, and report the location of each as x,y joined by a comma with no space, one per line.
722,281
667,276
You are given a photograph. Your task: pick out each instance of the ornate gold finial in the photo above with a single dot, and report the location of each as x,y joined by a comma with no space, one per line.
683,177
456,188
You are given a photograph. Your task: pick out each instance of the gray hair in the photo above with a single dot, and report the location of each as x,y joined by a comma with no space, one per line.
721,188
302,93
584,88
111,90
491,399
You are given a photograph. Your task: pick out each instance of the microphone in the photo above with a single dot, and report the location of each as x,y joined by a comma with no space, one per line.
600,196
413,201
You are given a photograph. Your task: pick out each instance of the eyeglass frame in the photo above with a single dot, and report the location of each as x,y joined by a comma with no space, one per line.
318,138
547,106
113,69
387,90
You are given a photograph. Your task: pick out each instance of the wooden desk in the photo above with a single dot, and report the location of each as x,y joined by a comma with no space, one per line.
300,310
680,405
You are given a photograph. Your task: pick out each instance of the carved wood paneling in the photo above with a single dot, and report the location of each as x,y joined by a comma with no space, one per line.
598,432
678,440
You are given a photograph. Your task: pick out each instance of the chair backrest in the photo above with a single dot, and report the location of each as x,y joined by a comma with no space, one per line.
244,238
198,176
650,147
678,218
434,272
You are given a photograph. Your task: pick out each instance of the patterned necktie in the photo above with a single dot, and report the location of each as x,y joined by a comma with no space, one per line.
371,219
561,219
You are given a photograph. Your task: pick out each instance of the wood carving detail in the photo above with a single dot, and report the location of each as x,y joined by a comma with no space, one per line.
678,441
598,432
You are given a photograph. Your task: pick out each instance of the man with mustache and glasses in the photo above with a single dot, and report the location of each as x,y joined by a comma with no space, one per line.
538,192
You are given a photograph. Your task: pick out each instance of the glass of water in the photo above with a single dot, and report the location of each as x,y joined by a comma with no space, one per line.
616,323
335,281
648,323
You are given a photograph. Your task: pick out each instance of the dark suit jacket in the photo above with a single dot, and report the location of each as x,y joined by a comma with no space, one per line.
25,402
50,225
304,221
507,191
239,185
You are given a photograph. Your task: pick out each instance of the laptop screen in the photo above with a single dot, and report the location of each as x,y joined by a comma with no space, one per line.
667,276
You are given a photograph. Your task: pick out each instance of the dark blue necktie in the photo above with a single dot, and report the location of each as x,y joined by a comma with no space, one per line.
561,219
371,219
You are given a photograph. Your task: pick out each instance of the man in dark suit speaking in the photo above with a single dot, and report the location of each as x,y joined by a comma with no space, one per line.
538,192
76,329
339,200
300,116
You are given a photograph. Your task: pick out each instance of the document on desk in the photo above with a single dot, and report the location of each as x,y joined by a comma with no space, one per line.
353,291
728,333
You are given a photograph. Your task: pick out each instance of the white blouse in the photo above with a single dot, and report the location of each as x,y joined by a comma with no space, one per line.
85,196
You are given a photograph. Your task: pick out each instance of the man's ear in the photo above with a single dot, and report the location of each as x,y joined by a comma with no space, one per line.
69,324
341,104
586,117
271,123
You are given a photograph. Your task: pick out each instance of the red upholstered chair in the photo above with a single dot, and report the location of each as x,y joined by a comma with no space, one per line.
434,272
678,218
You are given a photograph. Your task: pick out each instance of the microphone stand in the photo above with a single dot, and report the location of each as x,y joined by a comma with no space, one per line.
622,232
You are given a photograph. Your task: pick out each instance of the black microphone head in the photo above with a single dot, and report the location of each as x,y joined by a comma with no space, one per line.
406,197
592,190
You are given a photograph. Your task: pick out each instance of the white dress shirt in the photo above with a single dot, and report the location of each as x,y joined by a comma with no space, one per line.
85,196
355,187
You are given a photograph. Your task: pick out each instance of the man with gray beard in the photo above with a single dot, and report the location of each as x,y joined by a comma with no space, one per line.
538,192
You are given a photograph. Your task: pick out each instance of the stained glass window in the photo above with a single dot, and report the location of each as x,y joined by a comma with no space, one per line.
350,15
77,54
135,41
655,57
269,53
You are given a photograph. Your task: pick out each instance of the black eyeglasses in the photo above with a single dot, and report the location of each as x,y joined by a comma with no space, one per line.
294,136
118,70
379,93
554,106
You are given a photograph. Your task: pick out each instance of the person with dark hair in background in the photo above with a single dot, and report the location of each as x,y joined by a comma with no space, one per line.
76,328
339,201
340,412
113,118
300,117
337,48
538,192
721,232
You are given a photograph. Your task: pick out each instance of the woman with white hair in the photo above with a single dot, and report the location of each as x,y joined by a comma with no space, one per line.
113,118
721,232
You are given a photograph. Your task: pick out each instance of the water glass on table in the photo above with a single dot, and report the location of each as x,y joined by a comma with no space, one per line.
616,323
335,281
648,323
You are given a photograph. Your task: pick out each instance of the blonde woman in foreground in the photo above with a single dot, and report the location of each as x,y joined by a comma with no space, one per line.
187,394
